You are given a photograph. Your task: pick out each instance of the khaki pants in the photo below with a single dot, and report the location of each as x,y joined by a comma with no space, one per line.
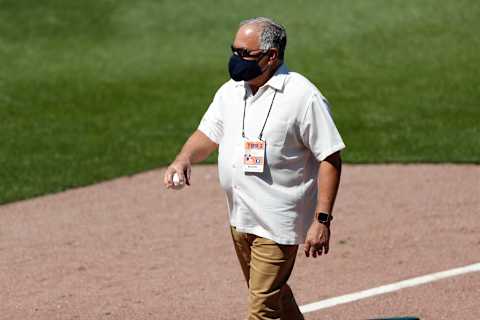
267,266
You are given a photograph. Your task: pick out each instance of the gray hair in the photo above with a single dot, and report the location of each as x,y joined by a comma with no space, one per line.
273,34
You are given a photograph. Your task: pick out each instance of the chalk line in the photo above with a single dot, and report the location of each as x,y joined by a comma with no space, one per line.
327,303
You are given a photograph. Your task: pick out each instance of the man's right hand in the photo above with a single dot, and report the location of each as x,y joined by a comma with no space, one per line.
196,149
182,167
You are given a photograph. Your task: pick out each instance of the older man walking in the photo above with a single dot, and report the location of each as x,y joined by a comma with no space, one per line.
279,164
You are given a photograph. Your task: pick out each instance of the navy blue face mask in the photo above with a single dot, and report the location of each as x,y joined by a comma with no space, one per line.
241,69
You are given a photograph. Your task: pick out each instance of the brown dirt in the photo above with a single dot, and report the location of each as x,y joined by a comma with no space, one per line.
129,249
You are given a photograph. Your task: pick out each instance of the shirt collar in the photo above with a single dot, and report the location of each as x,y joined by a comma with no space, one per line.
277,81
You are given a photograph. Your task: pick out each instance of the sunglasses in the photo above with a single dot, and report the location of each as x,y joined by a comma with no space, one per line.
245,53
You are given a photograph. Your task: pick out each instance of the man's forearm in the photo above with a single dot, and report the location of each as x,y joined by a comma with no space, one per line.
328,182
197,148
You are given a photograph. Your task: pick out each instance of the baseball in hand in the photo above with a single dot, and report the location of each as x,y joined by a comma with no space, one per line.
177,184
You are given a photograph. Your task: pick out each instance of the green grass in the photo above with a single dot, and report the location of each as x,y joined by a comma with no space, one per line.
92,89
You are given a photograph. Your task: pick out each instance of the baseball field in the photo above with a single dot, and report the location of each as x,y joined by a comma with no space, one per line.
98,96
95,89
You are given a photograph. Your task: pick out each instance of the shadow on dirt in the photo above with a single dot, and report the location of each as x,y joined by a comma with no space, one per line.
397,318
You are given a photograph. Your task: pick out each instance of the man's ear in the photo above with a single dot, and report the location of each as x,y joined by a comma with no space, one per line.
273,54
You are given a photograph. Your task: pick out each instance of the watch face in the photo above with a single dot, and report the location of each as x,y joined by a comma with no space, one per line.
323,217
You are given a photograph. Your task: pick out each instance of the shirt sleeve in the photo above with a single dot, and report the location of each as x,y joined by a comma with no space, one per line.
318,131
212,121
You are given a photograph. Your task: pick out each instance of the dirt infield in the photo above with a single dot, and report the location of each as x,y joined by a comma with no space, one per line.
129,249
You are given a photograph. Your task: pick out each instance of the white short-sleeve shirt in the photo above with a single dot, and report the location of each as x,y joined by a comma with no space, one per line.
279,203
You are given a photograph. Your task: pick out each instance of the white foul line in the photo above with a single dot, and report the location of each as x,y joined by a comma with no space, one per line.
388,288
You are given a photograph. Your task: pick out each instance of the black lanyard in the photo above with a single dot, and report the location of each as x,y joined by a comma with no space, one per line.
268,114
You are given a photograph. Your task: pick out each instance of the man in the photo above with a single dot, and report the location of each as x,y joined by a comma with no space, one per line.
275,137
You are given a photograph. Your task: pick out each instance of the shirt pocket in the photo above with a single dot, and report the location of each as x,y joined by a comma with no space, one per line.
275,132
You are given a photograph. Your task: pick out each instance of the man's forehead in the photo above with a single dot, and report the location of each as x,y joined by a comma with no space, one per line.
248,36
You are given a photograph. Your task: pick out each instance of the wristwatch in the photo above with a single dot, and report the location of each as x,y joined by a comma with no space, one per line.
323,217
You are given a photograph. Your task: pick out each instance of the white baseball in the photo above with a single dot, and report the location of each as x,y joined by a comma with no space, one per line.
177,184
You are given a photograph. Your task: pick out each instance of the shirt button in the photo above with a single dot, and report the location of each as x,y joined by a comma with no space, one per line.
234,166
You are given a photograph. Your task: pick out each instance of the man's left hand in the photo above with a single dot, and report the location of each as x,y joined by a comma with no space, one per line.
317,241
